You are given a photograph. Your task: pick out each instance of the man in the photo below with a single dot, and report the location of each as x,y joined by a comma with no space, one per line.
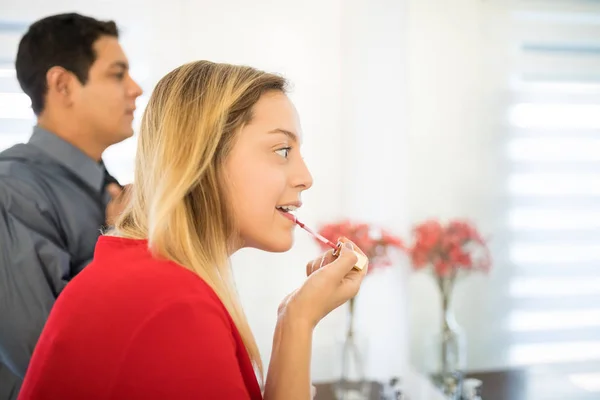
55,194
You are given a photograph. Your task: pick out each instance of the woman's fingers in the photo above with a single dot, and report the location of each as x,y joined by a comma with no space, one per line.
319,262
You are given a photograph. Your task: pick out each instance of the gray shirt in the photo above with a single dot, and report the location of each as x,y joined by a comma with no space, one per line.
52,207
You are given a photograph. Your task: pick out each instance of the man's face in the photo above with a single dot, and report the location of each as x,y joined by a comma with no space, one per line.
104,106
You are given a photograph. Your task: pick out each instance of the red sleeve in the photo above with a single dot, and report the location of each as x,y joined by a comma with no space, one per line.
186,350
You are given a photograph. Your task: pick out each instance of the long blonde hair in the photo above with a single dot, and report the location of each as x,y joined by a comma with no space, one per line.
178,202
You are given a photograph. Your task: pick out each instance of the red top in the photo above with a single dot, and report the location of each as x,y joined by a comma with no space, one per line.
133,327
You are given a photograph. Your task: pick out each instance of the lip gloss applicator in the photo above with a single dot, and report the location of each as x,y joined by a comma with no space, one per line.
317,236
362,260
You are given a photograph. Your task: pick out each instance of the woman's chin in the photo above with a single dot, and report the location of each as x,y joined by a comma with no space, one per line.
277,245
272,243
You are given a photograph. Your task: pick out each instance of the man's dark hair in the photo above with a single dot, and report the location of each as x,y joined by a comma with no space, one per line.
64,40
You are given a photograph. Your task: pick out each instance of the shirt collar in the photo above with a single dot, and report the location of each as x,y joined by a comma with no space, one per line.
69,156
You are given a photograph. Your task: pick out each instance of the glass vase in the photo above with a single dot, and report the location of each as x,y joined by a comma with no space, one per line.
352,384
450,344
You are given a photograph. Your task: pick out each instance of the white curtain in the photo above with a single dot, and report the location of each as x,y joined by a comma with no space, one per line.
553,181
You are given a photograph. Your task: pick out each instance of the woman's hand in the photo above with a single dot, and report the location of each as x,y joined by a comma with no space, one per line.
331,282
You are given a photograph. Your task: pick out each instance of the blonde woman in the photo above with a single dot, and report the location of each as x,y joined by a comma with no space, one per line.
156,315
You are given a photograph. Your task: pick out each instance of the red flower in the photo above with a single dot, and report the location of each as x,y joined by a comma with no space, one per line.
419,259
442,268
428,234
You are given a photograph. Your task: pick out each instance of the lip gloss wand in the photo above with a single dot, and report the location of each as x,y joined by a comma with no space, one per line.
362,260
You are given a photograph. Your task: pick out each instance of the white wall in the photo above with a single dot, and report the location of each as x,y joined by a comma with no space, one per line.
374,129
347,64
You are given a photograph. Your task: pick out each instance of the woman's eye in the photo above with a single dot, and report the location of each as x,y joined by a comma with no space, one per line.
285,152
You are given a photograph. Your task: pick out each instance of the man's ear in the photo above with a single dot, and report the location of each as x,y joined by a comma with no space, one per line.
60,82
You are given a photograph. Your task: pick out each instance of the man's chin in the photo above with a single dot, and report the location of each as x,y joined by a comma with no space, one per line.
123,135
127,133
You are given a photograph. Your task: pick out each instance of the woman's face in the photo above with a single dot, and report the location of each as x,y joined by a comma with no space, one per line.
265,171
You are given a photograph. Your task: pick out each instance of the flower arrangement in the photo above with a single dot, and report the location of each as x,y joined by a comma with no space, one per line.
448,249
374,242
